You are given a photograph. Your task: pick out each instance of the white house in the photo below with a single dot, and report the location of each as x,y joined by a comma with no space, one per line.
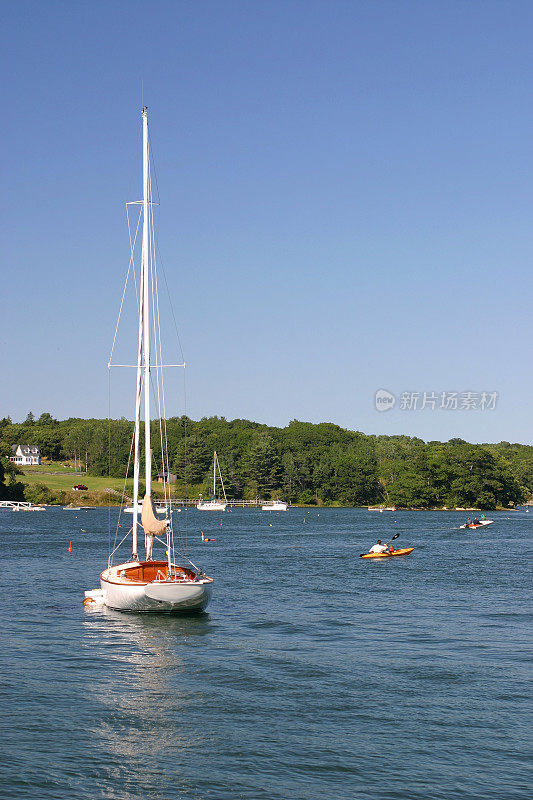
25,455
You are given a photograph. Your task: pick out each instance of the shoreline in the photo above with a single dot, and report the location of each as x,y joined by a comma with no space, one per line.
87,505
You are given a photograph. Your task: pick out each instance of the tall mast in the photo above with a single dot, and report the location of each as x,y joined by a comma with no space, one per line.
215,474
143,304
146,315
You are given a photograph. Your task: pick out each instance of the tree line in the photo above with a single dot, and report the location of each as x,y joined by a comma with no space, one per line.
302,462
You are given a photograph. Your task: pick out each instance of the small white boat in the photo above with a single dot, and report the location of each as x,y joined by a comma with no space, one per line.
71,508
275,505
148,584
376,508
481,524
215,504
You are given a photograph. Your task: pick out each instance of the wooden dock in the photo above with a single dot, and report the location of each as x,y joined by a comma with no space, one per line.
230,503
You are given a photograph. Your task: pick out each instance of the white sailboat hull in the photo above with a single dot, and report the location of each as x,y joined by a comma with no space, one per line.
211,505
155,596
274,506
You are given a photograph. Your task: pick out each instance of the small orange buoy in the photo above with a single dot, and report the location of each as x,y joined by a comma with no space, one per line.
88,601
70,547
221,522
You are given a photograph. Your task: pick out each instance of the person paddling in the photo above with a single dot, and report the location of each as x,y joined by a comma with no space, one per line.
379,548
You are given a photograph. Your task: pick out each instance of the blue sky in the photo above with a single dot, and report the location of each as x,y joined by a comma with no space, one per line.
346,205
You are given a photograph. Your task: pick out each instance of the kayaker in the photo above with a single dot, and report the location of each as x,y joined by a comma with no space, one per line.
476,521
379,548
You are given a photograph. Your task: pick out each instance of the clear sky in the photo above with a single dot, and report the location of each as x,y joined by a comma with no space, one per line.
346,205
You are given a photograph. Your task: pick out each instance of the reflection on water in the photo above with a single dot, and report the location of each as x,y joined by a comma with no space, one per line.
144,705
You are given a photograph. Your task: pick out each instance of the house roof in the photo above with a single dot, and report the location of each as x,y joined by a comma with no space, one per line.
26,449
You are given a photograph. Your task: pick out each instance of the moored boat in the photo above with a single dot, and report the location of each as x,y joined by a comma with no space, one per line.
146,586
173,584
211,505
275,505
215,504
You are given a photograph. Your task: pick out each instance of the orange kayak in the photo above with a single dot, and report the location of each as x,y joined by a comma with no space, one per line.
403,551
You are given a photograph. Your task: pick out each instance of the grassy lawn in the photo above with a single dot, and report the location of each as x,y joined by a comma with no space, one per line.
70,479
54,466
94,483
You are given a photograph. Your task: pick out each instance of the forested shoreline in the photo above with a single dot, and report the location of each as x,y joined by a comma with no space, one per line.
305,463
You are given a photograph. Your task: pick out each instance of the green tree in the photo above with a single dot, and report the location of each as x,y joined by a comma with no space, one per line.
263,466
46,419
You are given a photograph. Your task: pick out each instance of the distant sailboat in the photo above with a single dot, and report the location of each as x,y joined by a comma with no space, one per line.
165,585
215,504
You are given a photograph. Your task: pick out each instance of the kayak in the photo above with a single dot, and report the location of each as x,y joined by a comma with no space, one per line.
403,551
482,524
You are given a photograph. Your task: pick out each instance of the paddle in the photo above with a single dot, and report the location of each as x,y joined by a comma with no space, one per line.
393,538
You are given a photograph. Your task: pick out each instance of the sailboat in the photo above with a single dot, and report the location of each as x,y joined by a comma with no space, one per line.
215,504
170,584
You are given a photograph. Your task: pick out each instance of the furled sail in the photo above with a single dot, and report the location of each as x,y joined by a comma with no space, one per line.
151,524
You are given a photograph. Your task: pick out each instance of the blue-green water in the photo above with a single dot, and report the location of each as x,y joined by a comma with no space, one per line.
314,674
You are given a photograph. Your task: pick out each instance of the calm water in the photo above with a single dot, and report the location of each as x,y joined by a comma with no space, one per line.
315,674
